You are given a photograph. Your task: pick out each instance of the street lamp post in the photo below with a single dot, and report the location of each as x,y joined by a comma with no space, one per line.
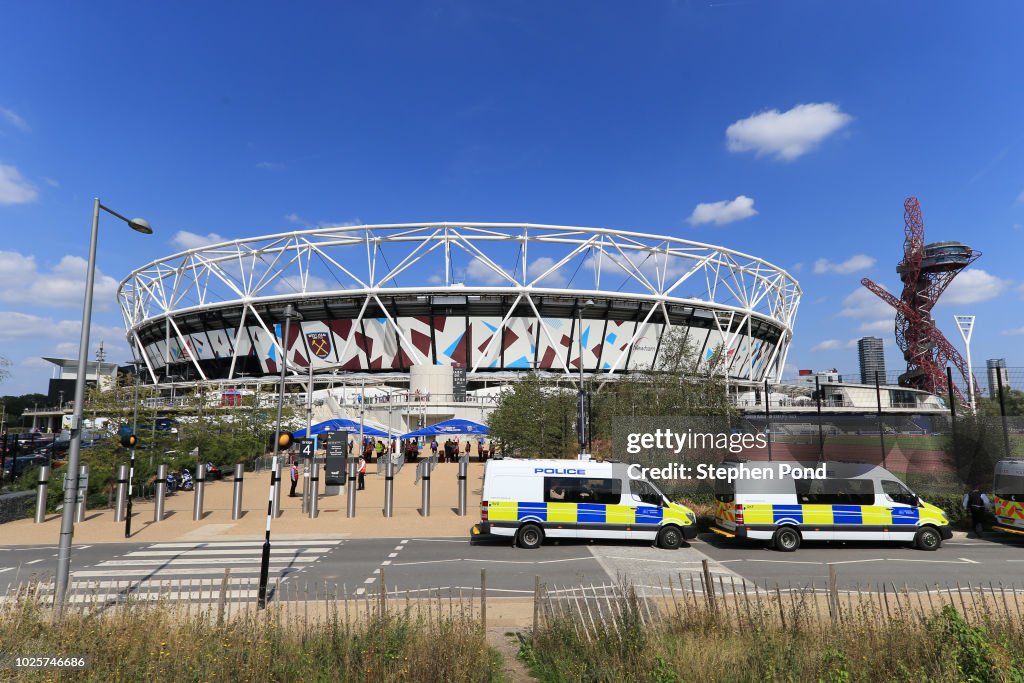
581,402
67,524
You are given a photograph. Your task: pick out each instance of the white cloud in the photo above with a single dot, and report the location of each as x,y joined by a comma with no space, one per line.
1020,197
15,325
786,135
51,182
184,239
293,283
13,188
862,303
1015,332
878,325
796,268
12,118
294,218
973,286
269,165
828,345
539,266
851,265
478,271
435,279
723,212
62,286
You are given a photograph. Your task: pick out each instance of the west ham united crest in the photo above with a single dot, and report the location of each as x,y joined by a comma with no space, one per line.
319,344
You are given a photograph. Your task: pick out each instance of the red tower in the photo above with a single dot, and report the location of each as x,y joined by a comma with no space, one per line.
926,270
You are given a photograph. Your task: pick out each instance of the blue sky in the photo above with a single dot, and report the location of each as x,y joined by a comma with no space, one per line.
246,118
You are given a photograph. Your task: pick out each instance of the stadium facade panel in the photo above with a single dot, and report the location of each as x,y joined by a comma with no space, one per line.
493,298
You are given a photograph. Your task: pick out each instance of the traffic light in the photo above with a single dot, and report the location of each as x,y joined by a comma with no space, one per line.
129,440
284,440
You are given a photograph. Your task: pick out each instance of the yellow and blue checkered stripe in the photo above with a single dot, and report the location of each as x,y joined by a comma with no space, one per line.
830,515
575,513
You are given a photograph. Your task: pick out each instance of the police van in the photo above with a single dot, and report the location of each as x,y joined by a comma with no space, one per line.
1008,496
530,500
852,502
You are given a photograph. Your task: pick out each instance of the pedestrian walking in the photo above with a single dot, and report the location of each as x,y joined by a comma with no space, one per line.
295,479
469,446
433,446
977,503
362,474
481,449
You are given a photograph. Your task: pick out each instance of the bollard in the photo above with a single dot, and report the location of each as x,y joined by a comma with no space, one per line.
305,486
275,481
389,485
200,486
350,510
122,493
83,493
463,469
425,499
41,489
236,499
161,492
314,490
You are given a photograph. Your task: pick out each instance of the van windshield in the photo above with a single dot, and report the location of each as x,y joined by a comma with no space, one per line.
1009,487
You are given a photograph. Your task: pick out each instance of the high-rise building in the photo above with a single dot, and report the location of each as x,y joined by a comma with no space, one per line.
871,352
996,370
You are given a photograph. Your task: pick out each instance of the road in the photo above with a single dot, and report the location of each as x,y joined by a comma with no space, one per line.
196,570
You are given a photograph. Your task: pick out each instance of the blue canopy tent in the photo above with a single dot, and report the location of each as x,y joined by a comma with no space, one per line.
341,425
449,427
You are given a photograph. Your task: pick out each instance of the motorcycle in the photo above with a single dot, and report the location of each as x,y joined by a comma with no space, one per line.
172,484
186,481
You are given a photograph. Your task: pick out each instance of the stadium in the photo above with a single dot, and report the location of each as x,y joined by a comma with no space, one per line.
385,304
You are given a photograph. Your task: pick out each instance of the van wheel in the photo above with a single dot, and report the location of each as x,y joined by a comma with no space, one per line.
928,538
786,539
529,536
670,538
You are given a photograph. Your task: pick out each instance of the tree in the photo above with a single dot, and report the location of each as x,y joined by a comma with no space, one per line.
535,419
5,364
539,419
1013,399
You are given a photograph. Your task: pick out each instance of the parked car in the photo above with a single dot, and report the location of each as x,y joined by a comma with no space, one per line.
24,462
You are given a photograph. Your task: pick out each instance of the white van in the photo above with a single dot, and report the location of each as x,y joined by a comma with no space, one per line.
1008,496
853,502
529,500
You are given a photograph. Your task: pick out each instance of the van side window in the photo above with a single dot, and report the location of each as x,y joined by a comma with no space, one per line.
573,490
835,491
898,492
561,490
645,491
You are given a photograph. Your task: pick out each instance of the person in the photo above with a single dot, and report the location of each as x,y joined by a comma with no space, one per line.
295,479
362,474
557,492
469,445
380,449
433,446
977,503
481,449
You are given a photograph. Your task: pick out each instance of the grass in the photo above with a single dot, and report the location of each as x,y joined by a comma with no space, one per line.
691,641
155,642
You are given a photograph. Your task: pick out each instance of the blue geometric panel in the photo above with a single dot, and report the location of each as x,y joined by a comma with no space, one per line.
905,515
538,510
648,514
847,514
590,512
793,513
